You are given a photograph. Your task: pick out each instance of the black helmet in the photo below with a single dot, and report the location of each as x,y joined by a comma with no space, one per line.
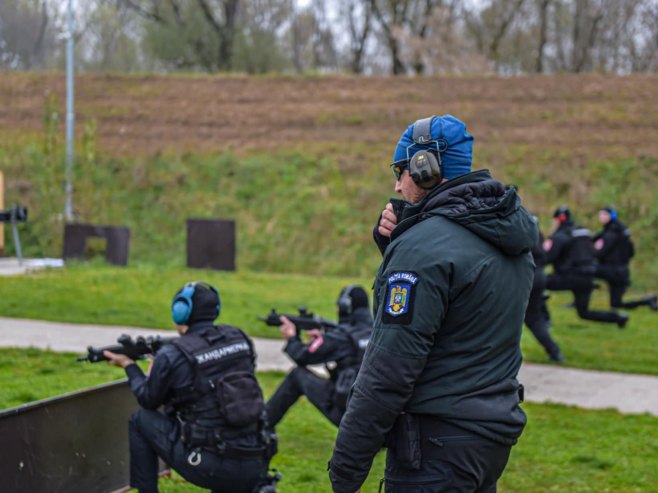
562,213
351,297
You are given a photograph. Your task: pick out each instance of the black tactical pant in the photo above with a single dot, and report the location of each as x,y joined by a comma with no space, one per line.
299,382
618,279
454,461
538,319
153,435
581,287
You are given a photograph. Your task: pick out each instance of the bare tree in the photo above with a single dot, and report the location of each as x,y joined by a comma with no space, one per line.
643,46
543,6
27,34
586,23
492,24
391,15
358,16
444,48
206,28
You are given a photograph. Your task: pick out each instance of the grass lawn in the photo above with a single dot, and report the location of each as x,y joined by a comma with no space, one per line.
141,296
563,449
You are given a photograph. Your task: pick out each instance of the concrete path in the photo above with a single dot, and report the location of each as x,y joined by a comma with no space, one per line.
633,394
11,266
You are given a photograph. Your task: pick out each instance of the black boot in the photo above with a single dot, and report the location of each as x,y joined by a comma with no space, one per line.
622,320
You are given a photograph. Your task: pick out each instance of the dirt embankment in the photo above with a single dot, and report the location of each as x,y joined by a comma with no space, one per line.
151,114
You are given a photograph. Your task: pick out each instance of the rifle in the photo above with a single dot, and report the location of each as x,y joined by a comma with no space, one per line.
304,321
133,348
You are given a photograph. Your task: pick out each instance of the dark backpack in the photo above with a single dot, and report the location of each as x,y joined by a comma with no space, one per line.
224,373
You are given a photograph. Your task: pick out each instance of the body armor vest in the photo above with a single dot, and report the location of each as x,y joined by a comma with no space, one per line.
347,368
225,400
581,253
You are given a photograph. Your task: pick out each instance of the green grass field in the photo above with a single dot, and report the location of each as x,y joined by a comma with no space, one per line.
563,449
140,296
305,195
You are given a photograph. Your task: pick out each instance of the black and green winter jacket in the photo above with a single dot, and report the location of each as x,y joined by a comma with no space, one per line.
449,301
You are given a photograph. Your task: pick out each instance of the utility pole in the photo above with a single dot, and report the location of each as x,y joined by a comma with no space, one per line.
70,115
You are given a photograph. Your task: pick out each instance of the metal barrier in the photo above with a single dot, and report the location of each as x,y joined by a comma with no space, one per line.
70,443
116,247
211,244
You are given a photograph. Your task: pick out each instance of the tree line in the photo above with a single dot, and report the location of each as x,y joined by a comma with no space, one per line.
374,37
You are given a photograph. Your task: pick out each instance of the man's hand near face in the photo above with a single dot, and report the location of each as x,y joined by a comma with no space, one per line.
388,221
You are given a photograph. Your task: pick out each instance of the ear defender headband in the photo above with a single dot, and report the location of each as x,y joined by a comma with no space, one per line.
182,305
425,166
345,300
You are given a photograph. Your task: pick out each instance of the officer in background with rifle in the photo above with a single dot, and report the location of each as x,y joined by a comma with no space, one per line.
571,252
345,345
212,432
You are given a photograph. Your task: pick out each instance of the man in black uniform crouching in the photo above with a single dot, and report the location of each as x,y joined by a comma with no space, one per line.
212,431
570,251
614,250
345,345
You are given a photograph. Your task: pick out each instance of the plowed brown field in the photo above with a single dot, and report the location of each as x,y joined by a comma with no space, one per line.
599,116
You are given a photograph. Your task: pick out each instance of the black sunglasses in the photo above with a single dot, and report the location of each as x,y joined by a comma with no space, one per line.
398,169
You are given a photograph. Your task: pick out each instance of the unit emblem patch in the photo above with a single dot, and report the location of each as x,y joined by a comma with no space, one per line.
399,294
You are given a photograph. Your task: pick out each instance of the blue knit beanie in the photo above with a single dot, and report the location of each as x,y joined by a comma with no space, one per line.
451,139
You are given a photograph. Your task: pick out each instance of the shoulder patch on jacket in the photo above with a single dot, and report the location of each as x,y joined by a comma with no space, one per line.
399,300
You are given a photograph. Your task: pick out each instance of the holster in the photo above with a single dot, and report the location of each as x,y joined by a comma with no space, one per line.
403,441
344,382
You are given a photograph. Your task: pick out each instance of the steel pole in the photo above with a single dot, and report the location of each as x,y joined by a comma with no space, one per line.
70,115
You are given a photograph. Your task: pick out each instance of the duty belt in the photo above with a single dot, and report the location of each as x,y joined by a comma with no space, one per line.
215,439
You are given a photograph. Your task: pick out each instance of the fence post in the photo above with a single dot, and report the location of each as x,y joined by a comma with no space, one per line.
2,206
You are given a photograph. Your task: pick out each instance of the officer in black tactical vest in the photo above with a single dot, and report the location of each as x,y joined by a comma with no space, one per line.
343,346
212,432
571,252
614,250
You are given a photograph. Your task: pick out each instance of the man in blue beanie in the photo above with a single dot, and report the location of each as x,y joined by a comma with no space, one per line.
438,381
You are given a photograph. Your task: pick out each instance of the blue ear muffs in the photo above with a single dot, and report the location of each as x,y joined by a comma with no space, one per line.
181,307
613,214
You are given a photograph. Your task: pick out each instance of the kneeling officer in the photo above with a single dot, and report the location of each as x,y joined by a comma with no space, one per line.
345,346
212,431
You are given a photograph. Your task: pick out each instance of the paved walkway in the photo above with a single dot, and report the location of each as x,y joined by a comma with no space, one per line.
11,266
633,394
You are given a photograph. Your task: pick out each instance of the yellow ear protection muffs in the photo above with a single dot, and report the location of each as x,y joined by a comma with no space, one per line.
425,165
182,305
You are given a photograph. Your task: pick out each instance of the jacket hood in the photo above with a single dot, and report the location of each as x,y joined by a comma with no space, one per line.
487,208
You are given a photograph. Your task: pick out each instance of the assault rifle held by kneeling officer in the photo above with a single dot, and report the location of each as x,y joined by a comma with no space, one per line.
135,349
304,321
